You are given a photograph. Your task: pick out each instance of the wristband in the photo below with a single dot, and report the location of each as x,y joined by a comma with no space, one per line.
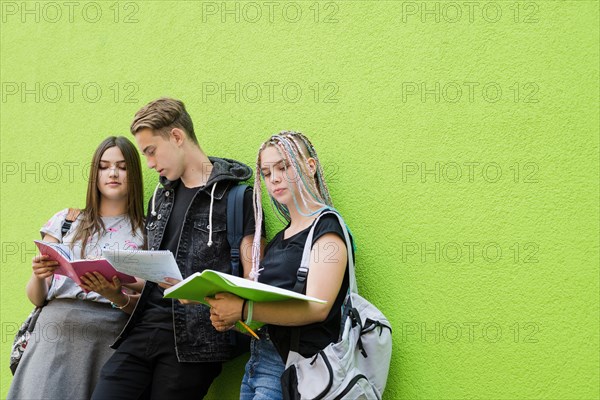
123,306
250,307
243,306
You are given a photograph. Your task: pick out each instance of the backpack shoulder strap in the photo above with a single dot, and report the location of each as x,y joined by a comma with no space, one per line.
302,273
235,225
70,218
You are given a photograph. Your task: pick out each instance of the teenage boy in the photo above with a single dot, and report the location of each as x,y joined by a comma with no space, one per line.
169,350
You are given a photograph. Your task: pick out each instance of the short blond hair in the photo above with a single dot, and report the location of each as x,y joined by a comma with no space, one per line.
161,116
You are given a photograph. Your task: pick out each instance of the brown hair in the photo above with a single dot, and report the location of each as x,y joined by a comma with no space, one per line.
92,223
161,116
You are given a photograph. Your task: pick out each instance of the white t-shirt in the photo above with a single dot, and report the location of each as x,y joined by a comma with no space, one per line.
118,235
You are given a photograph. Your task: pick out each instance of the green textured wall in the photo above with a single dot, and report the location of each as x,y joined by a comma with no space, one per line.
460,140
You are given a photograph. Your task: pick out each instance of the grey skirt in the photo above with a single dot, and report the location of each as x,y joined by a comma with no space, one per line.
67,349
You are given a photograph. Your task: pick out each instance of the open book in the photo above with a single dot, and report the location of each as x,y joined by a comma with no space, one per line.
74,269
151,265
208,282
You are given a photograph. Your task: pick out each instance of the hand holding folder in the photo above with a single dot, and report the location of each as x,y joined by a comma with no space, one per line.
203,285
207,283
221,321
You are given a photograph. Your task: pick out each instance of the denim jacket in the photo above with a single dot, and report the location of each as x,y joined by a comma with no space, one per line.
196,340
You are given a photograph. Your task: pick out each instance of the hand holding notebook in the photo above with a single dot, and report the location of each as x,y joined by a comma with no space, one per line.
74,269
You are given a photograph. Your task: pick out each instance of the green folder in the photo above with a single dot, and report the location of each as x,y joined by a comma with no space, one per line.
208,282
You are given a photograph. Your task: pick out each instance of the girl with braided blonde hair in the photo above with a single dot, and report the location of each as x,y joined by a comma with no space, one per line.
294,179
311,193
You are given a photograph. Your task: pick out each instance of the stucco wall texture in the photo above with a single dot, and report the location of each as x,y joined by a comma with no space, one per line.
459,139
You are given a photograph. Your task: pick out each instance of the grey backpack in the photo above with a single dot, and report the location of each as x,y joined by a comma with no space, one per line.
355,367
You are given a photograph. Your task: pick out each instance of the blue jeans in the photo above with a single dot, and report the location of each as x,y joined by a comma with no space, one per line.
262,380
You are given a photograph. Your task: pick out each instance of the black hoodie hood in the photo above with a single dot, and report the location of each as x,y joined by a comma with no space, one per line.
224,169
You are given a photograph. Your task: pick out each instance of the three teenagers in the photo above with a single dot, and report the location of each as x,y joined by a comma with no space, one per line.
167,349
71,340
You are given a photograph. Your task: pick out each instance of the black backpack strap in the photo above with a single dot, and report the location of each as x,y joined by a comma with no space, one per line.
301,276
235,225
70,218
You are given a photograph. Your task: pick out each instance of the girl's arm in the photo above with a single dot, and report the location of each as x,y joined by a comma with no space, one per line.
327,268
95,282
41,277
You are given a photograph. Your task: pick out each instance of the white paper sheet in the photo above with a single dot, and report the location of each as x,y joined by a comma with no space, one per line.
151,265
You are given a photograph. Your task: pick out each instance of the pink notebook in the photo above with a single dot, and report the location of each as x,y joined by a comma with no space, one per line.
75,269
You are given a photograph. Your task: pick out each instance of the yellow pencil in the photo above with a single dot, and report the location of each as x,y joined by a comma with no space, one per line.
249,329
